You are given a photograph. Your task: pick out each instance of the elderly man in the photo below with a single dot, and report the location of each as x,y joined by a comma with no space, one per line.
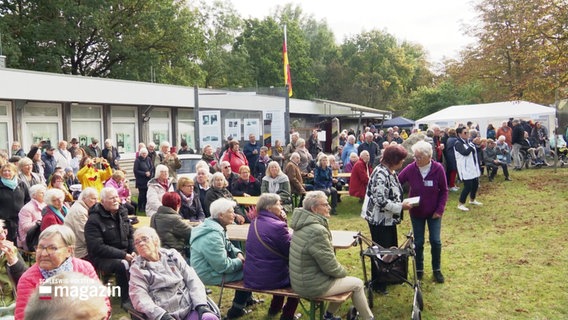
291,147
78,216
49,161
93,150
517,136
62,155
371,146
252,150
229,175
215,258
109,238
295,175
314,269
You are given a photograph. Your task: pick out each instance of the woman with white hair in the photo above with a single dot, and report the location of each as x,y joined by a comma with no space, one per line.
219,190
215,258
201,186
157,187
275,181
77,217
55,210
143,168
305,156
30,214
427,180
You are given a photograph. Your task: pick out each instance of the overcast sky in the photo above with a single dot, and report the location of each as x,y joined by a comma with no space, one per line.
436,24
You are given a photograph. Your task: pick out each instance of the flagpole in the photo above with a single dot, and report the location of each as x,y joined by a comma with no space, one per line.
286,94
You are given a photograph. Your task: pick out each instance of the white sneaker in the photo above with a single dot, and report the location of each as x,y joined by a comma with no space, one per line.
454,189
476,203
462,207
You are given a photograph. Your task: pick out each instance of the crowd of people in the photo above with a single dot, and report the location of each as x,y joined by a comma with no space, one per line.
71,205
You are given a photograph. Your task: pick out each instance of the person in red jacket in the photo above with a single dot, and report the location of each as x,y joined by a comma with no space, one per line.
360,176
55,211
235,157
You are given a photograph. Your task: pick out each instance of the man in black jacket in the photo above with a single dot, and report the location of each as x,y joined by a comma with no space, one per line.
517,136
108,233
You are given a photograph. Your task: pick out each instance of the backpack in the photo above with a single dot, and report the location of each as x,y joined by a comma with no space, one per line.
32,236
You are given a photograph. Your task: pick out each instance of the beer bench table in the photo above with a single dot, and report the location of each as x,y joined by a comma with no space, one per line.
315,303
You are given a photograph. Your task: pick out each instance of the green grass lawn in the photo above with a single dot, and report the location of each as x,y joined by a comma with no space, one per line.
504,260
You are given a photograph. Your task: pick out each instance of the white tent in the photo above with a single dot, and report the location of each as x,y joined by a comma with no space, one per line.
494,113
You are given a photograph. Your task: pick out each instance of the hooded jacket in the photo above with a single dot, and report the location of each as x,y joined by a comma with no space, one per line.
173,230
313,265
213,256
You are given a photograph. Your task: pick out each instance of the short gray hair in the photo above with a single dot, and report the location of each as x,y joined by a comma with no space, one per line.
221,205
107,191
52,194
294,155
87,192
150,232
67,235
422,147
267,200
35,189
143,151
311,198
164,144
218,175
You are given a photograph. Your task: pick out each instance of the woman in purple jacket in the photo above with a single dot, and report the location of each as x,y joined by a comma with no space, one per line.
427,179
267,247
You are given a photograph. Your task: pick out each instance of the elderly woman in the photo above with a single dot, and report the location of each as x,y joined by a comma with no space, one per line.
267,247
202,186
314,269
259,167
235,157
427,180
13,196
38,165
55,210
30,178
323,180
383,204
305,156
110,153
278,153
77,217
57,182
191,208
119,182
215,258
219,190
162,285
90,176
353,158
30,214
174,231
246,185
54,255
157,187
143,168
360,176
275,181
467,161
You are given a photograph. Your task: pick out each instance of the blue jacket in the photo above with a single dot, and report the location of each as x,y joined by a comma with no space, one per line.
322,178
248,149
264,269
213,256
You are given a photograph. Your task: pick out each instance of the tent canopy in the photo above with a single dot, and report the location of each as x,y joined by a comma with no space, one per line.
490,113
399,122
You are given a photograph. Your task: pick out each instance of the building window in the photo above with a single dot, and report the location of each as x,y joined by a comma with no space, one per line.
5,126
86,123
124,128
160,126
41,122
186,126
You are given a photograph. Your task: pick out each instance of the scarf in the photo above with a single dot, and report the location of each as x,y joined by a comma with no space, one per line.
10,183
58,213
186,199
66,266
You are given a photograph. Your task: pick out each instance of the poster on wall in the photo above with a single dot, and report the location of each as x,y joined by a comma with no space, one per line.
251,126
233,128
210,128
277,127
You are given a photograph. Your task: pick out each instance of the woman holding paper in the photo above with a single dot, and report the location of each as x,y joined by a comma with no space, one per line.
383,205
427,180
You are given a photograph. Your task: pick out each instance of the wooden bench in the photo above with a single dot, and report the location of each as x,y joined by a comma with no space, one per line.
343,192
315,303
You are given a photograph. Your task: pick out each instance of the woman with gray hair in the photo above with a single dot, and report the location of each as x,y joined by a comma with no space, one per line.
30,214
55,211
27,176
219,190
215,258
157,187
427,180
162,285
305,156
77,217
275,181
323,180
267,247
54,255
143,168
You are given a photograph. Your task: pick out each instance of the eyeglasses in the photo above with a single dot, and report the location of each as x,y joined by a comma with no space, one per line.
49,249
226,167
140,240
325,204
